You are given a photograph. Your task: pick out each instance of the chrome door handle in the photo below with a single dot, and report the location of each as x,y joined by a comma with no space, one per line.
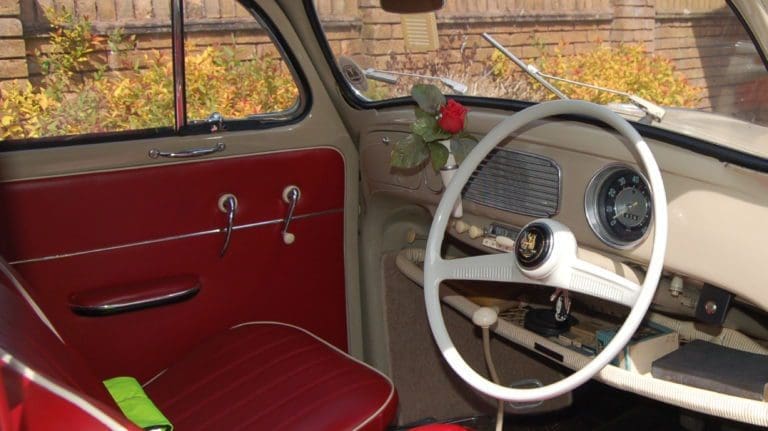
196,152
228,205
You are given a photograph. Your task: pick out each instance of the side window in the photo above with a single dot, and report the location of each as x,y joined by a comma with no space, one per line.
88,67
84,67
233,68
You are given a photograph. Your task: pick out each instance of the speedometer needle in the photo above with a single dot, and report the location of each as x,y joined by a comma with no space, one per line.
625,210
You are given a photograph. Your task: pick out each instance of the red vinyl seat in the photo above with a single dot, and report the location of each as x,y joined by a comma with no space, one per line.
255,376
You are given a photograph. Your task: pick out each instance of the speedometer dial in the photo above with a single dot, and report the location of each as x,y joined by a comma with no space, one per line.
618,206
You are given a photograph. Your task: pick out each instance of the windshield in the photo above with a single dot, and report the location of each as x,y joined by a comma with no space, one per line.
688,56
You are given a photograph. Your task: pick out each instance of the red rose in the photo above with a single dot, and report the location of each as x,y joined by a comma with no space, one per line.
452,117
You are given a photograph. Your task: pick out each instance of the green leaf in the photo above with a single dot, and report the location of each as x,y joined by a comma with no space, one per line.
461,145
420,113
467,136
428,97
438,154
409,152
426,127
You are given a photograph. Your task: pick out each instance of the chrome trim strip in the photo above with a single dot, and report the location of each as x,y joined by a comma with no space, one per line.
112,309
172,238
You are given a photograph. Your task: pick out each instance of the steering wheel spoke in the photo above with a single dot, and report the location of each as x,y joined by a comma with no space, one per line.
595,281
488,267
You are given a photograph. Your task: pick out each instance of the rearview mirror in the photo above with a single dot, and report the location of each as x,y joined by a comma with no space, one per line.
411,6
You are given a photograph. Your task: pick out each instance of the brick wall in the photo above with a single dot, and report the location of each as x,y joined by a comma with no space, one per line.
702,45
13,64
698,41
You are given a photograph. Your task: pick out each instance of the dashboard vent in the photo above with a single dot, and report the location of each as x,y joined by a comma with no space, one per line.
517,182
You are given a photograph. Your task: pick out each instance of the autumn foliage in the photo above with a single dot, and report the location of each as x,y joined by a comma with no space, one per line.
627,68
79,95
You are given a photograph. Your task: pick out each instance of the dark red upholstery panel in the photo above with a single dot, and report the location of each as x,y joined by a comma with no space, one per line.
266,376
27,339
259,278
32,407
256,376
81,212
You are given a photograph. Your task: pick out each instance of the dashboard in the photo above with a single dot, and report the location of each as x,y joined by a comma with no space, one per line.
585,177
617,201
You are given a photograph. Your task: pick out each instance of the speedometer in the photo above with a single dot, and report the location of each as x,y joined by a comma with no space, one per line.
618,206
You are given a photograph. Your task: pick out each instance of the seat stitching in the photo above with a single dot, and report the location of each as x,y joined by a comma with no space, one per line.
219,353
246,339
294,395
211,376
262,390
243,379
341,352
338,393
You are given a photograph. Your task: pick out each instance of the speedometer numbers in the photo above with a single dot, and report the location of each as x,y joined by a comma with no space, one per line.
618,206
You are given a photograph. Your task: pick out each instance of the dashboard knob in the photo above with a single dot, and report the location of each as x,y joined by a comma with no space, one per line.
484,317
505,241
475,232
676,286
461,226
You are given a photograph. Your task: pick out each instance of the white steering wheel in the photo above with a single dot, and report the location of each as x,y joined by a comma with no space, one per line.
545,254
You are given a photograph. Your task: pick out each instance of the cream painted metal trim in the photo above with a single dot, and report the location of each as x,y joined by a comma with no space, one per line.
755,13
172,238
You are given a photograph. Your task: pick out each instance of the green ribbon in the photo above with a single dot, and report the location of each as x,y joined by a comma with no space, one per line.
136,405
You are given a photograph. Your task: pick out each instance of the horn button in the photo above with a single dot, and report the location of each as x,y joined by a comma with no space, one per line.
534,245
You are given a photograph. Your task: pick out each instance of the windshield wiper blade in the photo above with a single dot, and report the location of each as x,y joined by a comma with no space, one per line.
653,111
391,77
529,69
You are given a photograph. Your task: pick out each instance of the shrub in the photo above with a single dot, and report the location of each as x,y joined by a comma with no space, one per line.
78,95
628,68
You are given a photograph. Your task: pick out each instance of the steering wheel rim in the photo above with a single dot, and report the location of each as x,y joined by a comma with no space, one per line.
432,264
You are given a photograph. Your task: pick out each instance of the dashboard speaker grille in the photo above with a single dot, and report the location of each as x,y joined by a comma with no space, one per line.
517,182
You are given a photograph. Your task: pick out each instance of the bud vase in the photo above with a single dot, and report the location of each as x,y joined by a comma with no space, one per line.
446,173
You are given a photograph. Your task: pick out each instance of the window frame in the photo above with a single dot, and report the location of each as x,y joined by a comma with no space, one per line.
723,154
183,127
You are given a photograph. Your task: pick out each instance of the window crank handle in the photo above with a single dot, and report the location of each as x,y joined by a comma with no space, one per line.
228,205
291,195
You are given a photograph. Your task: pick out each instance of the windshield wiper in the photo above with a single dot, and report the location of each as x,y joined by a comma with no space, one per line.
391,77
651,110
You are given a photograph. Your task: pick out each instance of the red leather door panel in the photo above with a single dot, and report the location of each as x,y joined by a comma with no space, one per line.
91,231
